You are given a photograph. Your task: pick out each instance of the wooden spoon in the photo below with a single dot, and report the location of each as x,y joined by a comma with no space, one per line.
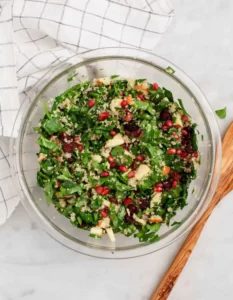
225,185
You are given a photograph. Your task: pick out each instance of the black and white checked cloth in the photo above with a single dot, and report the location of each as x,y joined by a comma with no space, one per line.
38,34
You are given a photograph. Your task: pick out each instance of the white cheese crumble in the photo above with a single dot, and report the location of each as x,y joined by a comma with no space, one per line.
115,103
142,172
156,199
117,140
96,158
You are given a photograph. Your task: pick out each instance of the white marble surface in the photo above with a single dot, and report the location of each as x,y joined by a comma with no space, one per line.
33,266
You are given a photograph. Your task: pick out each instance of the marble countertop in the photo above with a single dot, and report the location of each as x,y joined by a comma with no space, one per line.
33,266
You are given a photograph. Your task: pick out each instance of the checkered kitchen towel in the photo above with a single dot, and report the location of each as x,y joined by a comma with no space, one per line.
36,35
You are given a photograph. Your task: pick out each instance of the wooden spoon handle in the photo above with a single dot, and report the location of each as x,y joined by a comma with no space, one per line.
165,287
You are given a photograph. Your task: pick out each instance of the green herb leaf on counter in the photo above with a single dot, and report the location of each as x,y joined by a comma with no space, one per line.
221,113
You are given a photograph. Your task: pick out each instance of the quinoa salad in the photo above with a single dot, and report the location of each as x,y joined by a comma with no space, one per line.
117,156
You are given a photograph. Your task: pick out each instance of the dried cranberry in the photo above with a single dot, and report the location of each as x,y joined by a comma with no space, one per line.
128,219
165,115
167,185
137,133
68,148
131,126
143,204
133,209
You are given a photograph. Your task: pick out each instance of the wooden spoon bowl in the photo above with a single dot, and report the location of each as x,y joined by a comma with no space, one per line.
225,185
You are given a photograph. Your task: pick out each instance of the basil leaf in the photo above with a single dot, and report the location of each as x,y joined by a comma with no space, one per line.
42,141
221,113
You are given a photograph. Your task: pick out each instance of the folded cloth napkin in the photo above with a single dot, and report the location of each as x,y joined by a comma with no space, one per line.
39,34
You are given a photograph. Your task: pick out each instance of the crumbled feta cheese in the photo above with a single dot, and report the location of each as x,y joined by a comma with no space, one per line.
106,203
195,163
62,203
142,172
131,82
115,103
96,231
67,155
117,140
96,158
105,152
178,120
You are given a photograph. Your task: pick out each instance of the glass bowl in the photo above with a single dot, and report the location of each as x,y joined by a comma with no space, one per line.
128,63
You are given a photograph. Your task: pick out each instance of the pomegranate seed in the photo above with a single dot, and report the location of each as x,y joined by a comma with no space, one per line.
103,116
68,148
128,219
184,132
164,127
183,154
80,147
169,123
104,174
175,175
137,133
105,191
131,174
99,189
124,103
123,168
126,147
159,184
171,151
155,86
178,152
158,189
110,158
165,115
113,200
112,132
140,158
195,154
128,117
133,209
141,97
76,138
185,118
104,213
127,201
91,102
174,183
112,165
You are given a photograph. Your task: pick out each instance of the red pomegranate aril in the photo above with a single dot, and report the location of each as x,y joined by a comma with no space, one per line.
171,151
167,185
174,183
141,97
80,147
165,115
113,200
104,174
143,204
159,184
178,152
103,116
99,189
158,189
105,191
164,127
112,165
183,154
140,158
185,118
128,201
112,132
76,138
124,103
104,212
155,86
195,154
68,148
110,158
184,132
131,174
169,123
128,219
122,168
128,117
175,175
91,102
126,147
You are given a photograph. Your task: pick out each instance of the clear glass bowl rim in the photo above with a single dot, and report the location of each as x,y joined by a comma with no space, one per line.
65,239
